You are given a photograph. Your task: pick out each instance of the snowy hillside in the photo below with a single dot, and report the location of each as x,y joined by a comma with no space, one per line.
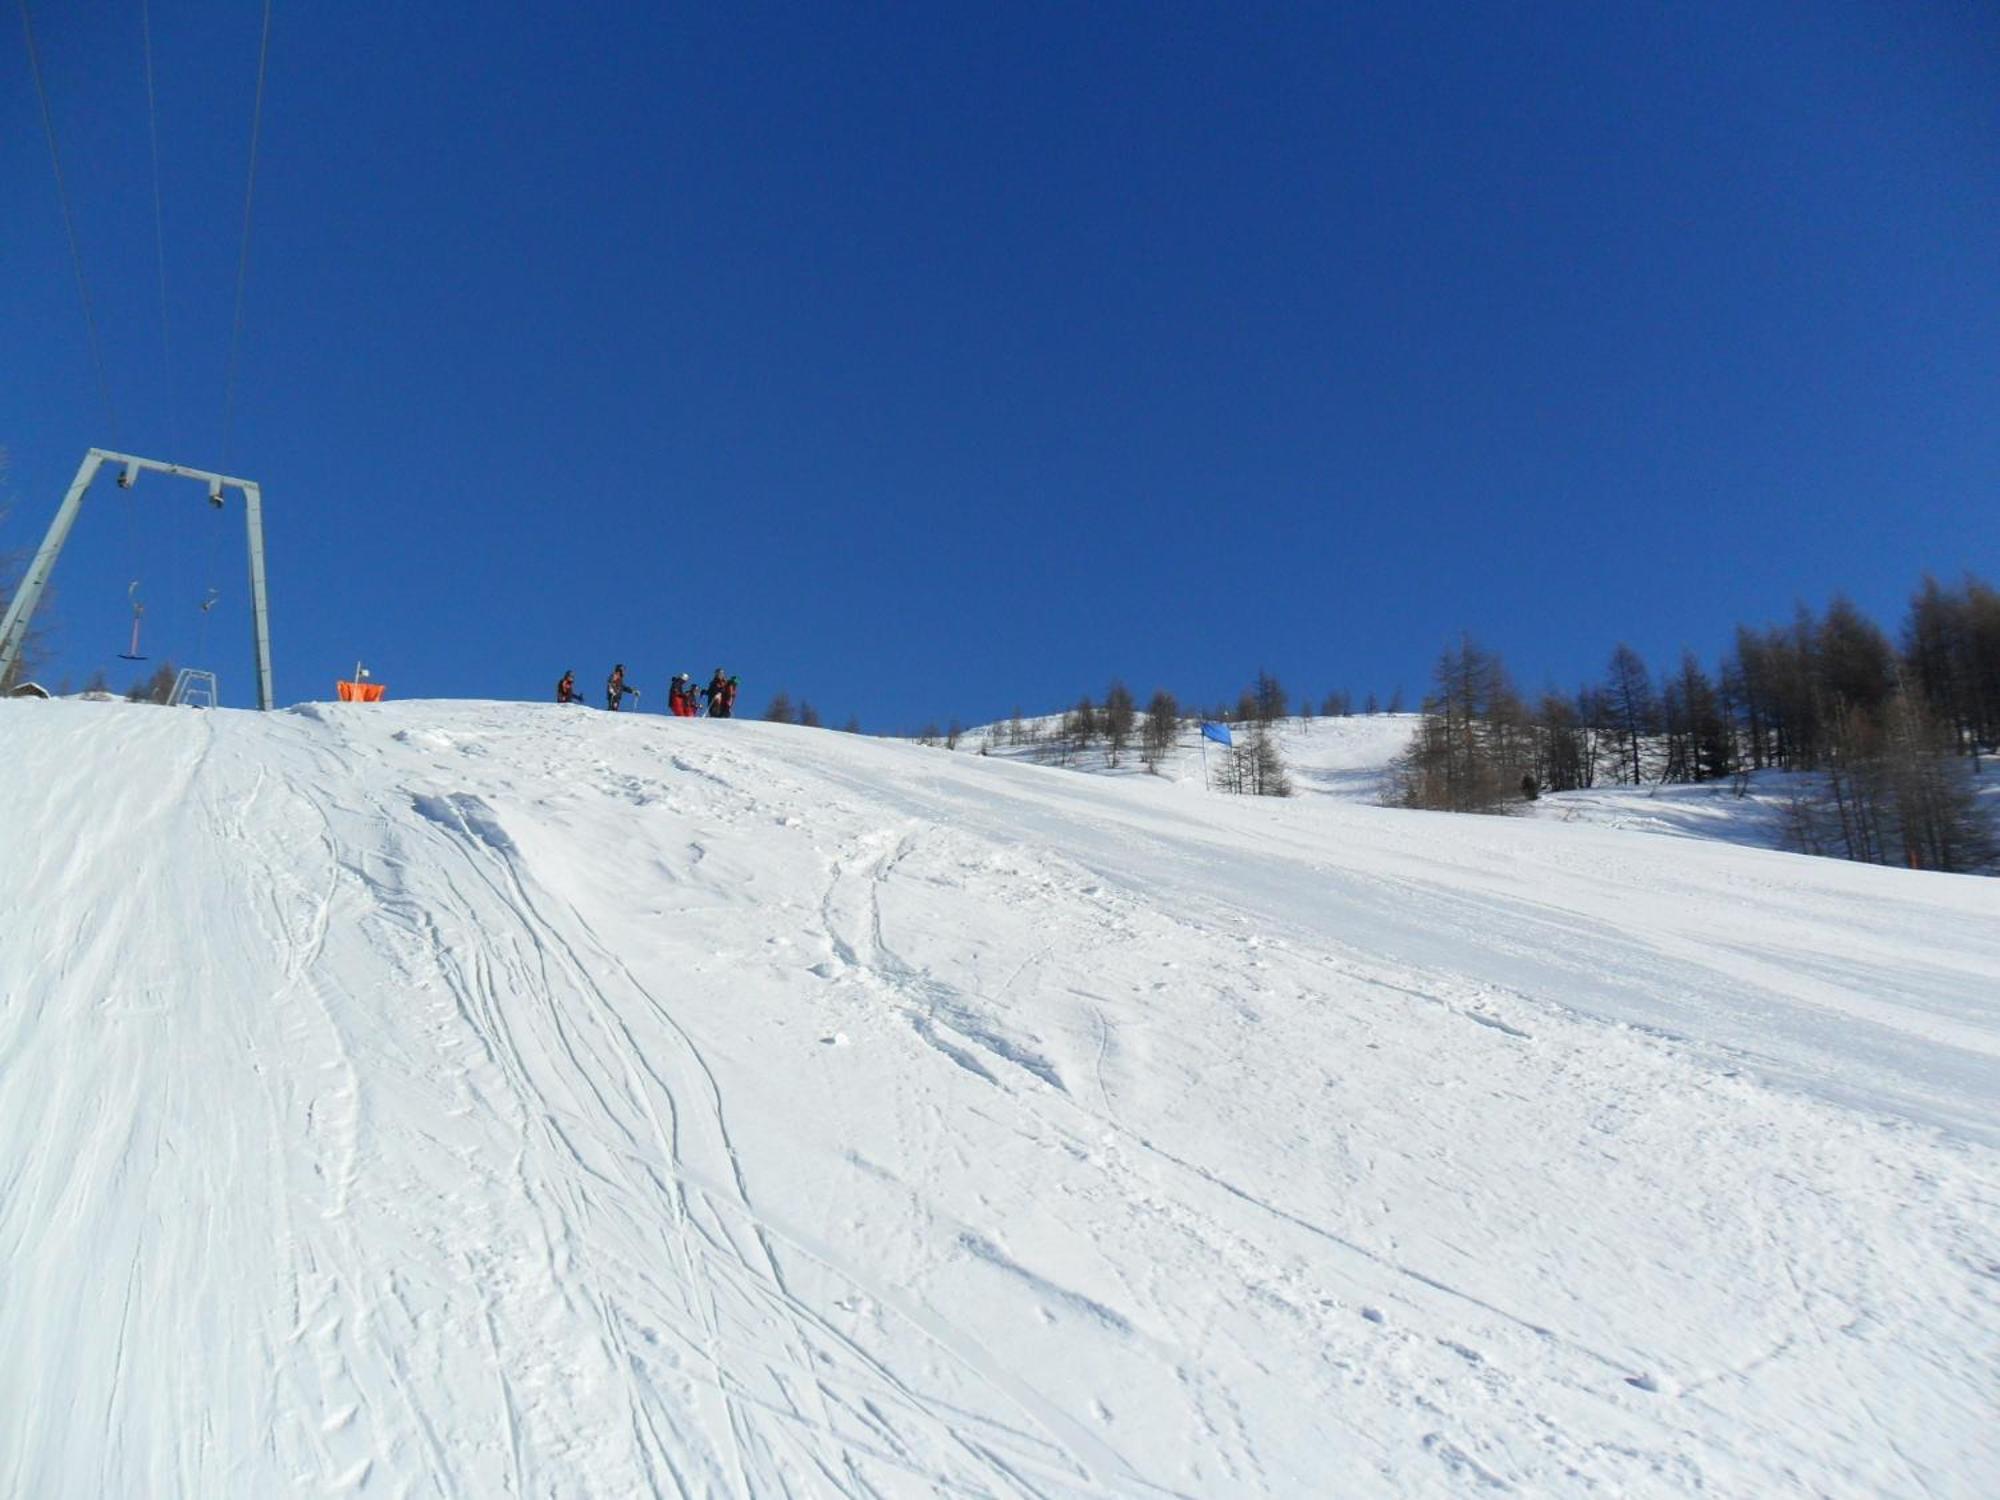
1346,758
1350,758
485,1099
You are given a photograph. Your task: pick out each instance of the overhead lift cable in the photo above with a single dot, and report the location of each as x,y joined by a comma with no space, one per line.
159,229
69,221
243,256
211,593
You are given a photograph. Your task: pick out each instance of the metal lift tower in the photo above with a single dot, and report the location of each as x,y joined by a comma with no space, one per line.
14,629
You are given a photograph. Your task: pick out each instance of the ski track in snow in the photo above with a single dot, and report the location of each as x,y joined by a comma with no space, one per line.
480,1099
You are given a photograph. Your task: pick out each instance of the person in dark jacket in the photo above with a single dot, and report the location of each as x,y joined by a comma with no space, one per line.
717,694
615,689
566,689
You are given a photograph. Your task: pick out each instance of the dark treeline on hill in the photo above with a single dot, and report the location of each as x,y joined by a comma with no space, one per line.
1893,731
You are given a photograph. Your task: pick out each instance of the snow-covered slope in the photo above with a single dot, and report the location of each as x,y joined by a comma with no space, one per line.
481,1099
1350,759
1346,758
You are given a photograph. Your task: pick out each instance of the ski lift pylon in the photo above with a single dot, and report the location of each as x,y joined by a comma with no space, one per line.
20,611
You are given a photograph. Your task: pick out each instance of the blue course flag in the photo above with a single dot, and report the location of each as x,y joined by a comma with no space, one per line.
1217,732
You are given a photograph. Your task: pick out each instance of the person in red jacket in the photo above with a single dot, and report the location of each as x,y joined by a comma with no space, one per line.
680,697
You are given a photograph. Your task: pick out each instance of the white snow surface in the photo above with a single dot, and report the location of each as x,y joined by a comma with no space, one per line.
477,1099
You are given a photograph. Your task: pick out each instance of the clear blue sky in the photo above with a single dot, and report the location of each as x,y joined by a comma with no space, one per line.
926,360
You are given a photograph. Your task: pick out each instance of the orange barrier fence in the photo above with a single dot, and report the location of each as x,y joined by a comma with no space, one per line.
361,692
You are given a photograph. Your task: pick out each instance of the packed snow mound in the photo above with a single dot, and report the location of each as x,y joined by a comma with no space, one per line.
487,1099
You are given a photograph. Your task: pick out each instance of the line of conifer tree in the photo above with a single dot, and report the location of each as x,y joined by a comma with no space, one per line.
1895,730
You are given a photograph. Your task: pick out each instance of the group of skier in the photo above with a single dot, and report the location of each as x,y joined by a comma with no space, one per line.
684,699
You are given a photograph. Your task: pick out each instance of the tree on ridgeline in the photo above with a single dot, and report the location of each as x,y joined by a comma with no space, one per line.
808,715
1251,766
1226,771
1745,684
1080,729
1267,775
1938,817
1119,720
1799,703
1951,646
1770,678
780,710
1160,731
1893,791
1565,760
1697,739
1471,748
1628,697
1856,666
1267,698
1851,757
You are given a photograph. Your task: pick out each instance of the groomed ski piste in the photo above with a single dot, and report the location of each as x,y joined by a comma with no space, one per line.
480,1099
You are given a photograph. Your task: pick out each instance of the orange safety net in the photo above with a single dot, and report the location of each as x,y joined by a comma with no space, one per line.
361,692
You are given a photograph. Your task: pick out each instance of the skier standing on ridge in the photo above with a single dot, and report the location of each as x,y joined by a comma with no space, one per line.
680,697
615,689
717,694
566,689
